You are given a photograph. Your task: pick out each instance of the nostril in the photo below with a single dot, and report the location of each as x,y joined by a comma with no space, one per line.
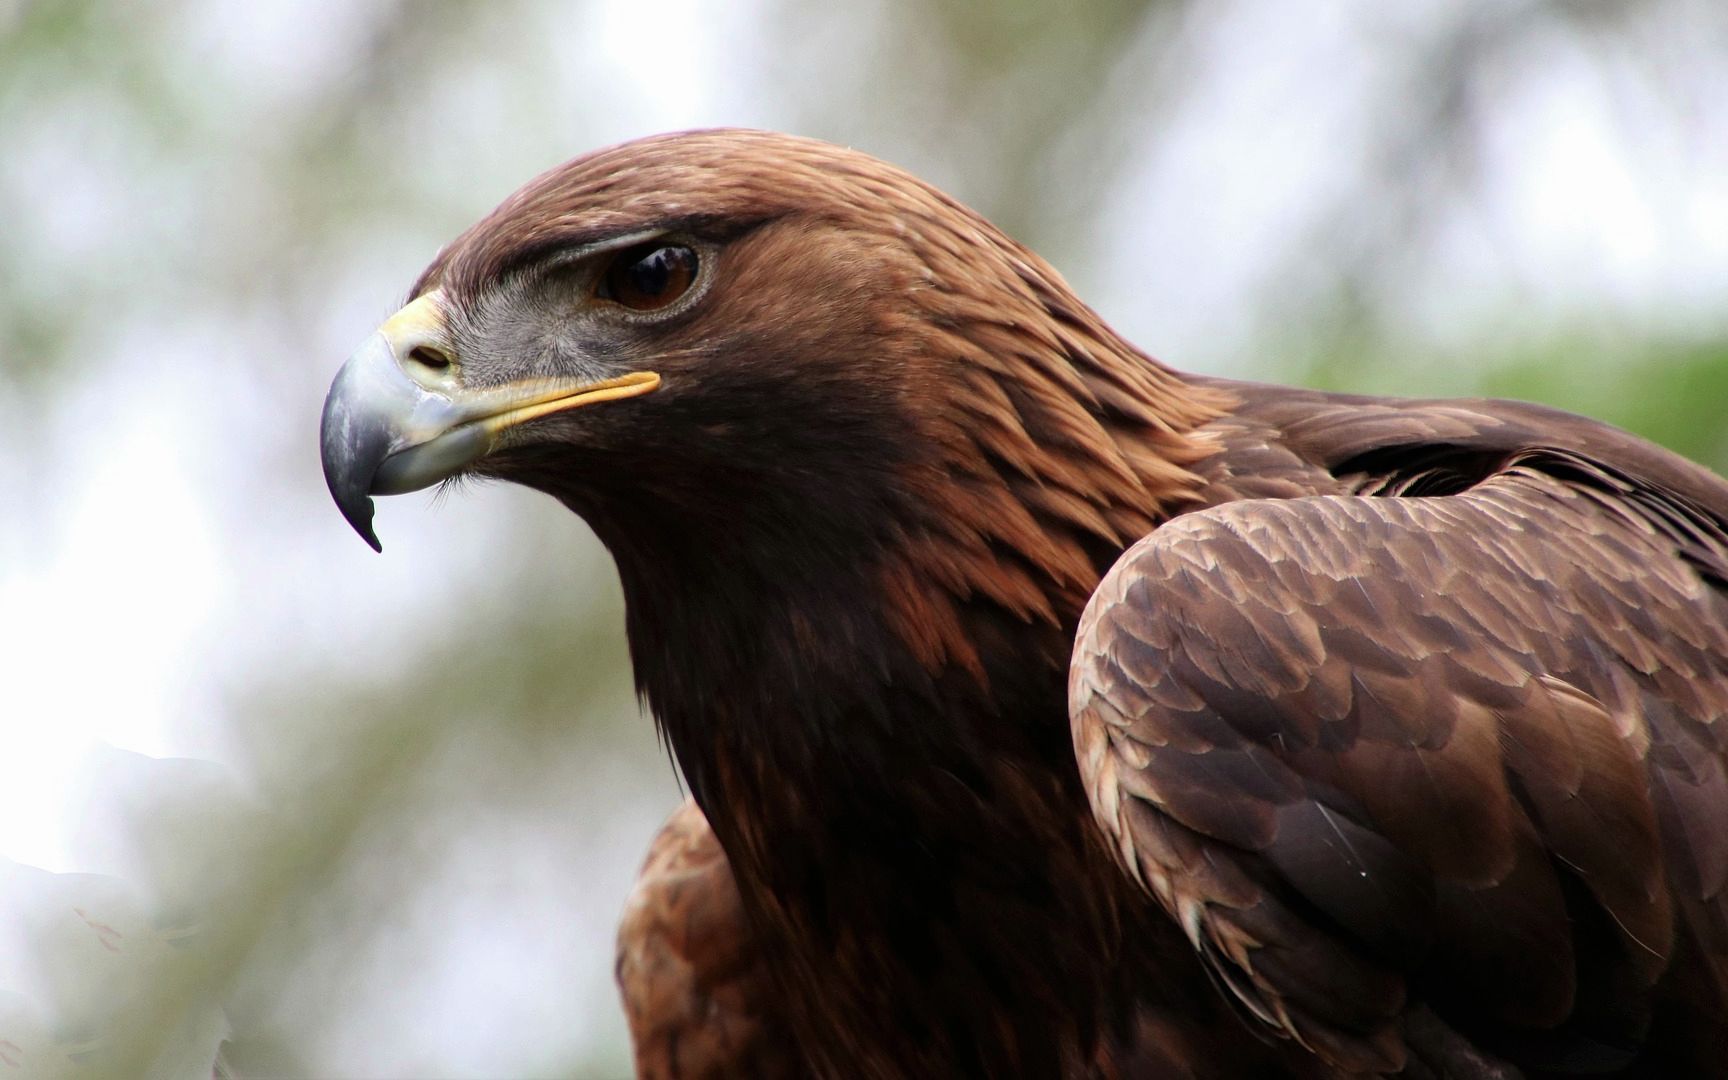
427,356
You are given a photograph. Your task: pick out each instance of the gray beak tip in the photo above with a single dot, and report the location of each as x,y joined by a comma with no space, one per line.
352,448
360,517
355,505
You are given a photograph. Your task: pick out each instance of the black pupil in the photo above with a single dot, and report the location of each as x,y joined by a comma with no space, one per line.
649,277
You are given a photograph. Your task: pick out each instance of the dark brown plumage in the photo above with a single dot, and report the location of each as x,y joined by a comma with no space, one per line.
1398,734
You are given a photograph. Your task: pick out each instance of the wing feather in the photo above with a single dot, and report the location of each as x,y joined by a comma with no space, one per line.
1461,753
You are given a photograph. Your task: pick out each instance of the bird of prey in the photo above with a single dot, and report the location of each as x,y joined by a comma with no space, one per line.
1051,712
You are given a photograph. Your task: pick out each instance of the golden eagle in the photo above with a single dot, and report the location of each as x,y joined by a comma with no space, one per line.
1058,713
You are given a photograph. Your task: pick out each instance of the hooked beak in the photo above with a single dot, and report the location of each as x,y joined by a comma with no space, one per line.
398,418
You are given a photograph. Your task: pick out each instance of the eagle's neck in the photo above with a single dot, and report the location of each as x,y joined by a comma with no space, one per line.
911,843
874,720
904,594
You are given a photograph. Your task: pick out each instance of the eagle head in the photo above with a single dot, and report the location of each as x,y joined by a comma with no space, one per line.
721,330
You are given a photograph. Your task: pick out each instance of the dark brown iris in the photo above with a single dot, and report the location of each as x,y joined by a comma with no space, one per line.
648,277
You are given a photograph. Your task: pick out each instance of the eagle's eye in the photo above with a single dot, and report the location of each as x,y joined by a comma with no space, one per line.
648,277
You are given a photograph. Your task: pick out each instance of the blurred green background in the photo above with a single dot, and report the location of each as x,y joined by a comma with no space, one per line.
375,816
